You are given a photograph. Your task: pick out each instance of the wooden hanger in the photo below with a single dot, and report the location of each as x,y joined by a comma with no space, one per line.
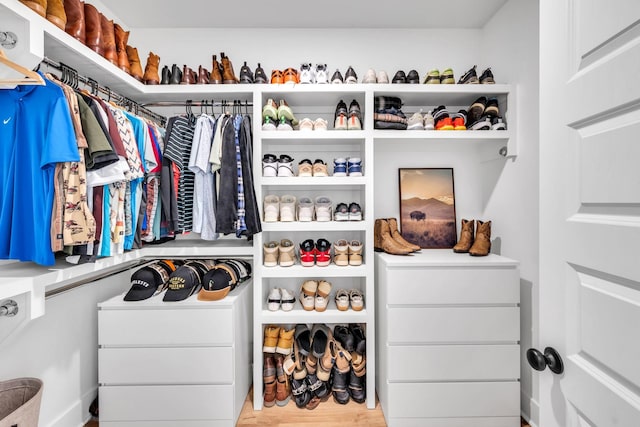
31,77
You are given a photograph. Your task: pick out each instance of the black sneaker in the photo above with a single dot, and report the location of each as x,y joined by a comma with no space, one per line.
260,76
399,77
482,123
350,76
497,123
413,77
470,77
486,78
337,77
476,109
340,119
492,107
354,110
246,75
341,109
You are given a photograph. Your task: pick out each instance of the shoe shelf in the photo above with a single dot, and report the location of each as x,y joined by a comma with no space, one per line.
314,181
298,271
315,226
453,136
311,137
435,95
330,315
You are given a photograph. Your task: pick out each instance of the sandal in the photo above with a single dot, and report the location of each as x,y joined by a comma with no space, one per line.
317,386
300,392
342,359
302,337
311,364
322,295
319,337
325,363
305,168
291,76
287,208
356,298
271,208
308,294
358,364
276,77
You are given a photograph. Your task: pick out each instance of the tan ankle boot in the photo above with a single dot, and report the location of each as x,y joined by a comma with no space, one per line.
382,240
56,14
135,69
482,245
395,233
151,76
38,6
109,40
122,37
75,19
228,76
466,237
216,75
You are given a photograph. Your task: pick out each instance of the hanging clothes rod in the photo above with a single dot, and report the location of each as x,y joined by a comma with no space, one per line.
203,103
71,77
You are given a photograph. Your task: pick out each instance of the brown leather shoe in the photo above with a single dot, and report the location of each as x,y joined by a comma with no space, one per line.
482,244
216,73
135,69
56,14
122,37
283,387
75,19
395,233
151,76
466,237
203,76
108,40
38,6
269,377
188,76
228,76
382,240
93,29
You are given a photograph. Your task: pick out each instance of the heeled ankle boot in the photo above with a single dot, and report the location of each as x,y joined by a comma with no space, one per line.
382,240
38,6
151,76
56,13
122,37
187,76
482,244
228,76
75,19
203,76
466,237
108,40
93,29
216,74
395,233
176,75
135,68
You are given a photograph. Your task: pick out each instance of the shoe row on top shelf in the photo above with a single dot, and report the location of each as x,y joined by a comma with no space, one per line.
318,253
312,364
483,114
315,295
288,208
283,166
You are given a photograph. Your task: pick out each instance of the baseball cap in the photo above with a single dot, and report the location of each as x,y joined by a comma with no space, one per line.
217,283
148,280
182,283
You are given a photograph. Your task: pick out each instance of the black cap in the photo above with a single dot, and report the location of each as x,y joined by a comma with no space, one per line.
182,283
217,283
148,280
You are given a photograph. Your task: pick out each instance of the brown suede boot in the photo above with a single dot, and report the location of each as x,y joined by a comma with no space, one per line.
395,233
75,19
466,237
203,76
382,240
122,37
93,29
189,77
482,245
56,14
228,76
108,40
38,6
135,69
216,74
151,76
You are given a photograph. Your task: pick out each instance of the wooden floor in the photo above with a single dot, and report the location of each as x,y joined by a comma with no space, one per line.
327,414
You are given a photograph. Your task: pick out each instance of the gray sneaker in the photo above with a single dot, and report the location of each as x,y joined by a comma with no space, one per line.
428,121
415,122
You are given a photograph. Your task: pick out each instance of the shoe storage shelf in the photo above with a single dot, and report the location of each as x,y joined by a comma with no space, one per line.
314,102
461,366
188,362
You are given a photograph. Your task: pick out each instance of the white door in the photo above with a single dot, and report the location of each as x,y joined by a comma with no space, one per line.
590,211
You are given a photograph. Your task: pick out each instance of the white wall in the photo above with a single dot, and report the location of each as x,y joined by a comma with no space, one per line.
61,348
510,44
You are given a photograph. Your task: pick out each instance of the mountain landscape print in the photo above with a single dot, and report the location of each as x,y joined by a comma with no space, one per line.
427,207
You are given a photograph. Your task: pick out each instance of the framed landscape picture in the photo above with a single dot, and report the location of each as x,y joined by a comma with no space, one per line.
427,207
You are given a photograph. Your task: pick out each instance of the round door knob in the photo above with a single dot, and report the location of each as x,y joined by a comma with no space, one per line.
550,358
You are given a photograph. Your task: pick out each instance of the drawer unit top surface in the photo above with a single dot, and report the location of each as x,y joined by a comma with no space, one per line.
444,258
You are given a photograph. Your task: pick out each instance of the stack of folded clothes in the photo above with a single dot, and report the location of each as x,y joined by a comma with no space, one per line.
388,114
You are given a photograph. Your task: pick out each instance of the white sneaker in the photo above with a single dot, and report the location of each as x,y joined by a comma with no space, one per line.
321,74
287,208
319,124
323,209
285,165
415,121
370,76
288,299
383,77
274,299
305,209
428,121
306,74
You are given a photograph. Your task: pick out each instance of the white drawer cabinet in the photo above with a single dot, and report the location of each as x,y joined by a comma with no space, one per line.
188,362
447,344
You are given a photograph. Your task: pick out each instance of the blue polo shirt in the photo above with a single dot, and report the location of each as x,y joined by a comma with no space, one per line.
35,133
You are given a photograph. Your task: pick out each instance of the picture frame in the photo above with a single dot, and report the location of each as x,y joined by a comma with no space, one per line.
427,207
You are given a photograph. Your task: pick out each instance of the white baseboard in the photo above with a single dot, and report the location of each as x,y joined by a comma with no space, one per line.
78,414
529,410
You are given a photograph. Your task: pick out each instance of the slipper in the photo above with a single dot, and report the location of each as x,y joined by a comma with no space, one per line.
302,337
319,336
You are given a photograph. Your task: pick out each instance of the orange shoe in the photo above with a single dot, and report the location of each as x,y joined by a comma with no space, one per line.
458,120
442,119
276,77
291,76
